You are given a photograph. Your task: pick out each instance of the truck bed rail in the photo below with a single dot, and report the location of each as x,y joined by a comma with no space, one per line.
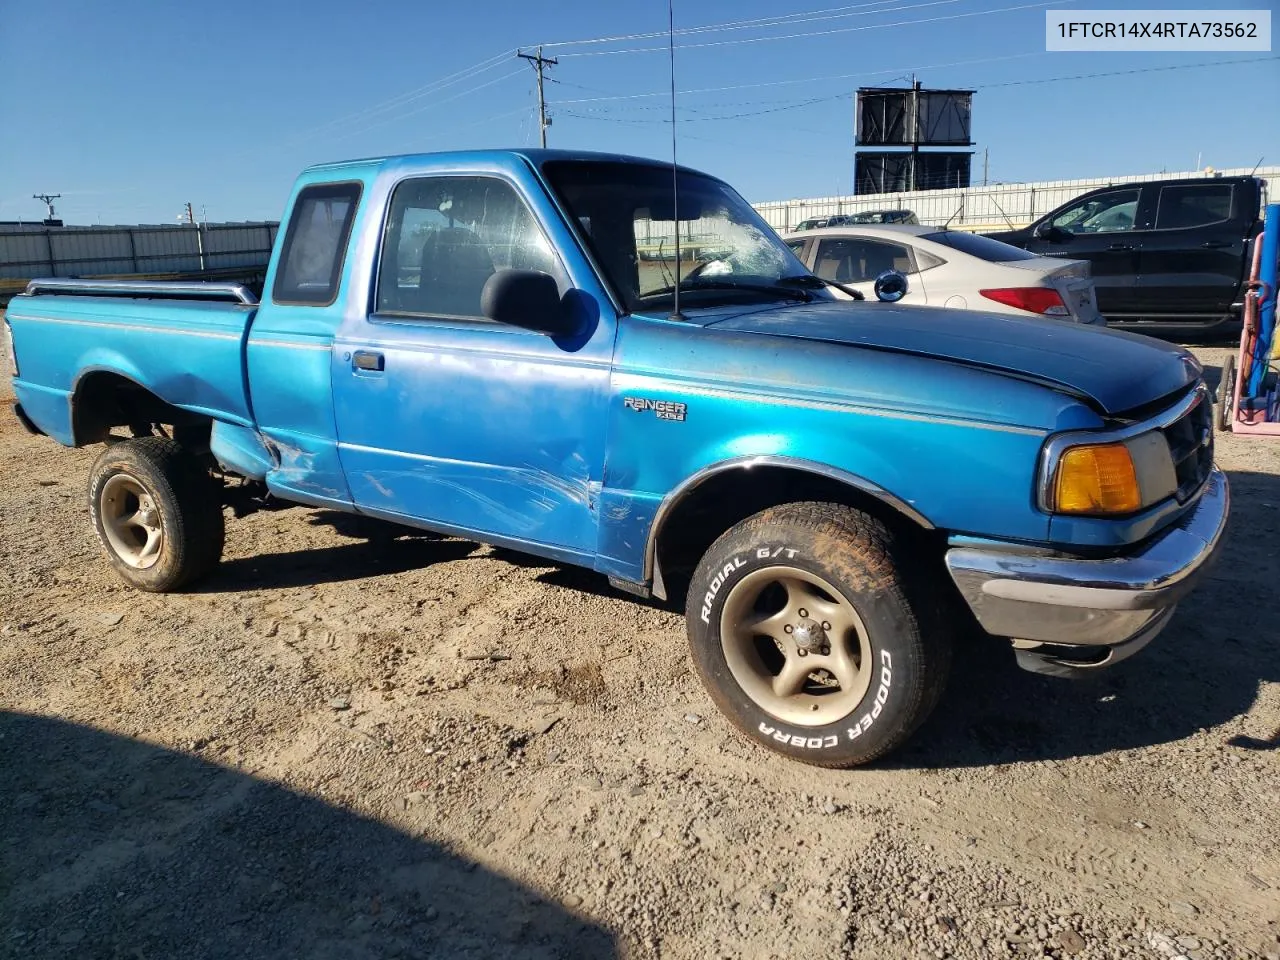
151,289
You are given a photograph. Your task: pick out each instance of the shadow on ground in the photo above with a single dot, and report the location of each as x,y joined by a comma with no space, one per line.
113,848
1204,670
380,548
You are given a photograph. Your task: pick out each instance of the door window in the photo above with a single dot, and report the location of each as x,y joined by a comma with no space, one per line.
316,244
1193,205
446,236
853,260
1112,212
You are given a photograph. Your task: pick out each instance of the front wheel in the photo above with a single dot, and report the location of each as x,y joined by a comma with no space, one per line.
157,512
806,635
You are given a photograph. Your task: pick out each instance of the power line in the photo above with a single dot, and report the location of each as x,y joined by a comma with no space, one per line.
798,104
1122,73
407,97
779,83
824,33
427,106
789,105
829,13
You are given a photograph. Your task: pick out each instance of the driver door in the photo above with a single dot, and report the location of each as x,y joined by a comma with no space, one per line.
450,418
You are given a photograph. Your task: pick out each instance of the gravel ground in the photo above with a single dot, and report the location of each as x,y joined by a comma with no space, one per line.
432,748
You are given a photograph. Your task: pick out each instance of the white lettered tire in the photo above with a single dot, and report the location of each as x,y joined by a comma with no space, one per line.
810,636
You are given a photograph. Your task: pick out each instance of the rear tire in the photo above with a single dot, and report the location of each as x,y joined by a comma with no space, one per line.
1226,394
157,513
828,580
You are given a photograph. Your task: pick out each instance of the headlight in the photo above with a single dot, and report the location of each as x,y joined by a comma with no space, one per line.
1108,479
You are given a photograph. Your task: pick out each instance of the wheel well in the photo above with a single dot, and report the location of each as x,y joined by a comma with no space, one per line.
725,499
103,400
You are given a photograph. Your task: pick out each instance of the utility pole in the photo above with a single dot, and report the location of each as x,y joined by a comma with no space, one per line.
190,214
47,199
984,165
539,63
915,129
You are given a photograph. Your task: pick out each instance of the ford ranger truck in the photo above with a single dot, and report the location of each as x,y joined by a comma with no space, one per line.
471,343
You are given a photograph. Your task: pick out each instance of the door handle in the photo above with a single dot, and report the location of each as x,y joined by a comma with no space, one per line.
1215,244
1120,247
367,360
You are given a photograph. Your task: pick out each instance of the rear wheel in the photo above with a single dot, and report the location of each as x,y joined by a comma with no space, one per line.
157,512
1226,393
806,633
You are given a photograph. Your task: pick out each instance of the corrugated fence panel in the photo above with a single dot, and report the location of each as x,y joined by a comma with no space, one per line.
25,255
28,251
238,245
997,207
166,249
78,252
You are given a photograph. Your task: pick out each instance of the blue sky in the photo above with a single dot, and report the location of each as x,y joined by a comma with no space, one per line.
131,108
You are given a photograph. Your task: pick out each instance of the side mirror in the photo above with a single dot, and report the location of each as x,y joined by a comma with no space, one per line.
891,286
528,299
1047,231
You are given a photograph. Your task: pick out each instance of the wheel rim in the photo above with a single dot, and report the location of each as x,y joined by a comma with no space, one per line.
131,521
795,646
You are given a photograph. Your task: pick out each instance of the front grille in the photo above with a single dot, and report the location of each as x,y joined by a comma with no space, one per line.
1191,442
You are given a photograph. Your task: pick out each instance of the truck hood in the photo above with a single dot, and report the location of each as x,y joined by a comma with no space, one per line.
1113,370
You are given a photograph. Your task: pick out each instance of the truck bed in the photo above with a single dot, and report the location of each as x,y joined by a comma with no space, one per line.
156,343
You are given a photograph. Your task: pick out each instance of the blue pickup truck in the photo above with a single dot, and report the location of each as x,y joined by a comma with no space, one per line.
486,345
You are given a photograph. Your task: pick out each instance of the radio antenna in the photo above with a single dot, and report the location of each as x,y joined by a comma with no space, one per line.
675,169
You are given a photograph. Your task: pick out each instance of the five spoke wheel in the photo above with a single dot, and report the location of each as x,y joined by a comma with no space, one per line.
131,521
795,645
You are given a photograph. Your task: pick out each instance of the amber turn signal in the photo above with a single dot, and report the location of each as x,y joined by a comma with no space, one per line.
1097,479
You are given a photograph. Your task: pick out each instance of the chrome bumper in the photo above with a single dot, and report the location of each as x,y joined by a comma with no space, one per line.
1114,606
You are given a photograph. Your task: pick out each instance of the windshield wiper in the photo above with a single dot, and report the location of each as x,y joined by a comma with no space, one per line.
813,281
773,289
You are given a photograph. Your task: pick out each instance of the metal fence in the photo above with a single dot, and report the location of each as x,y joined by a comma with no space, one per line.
28,251
998,207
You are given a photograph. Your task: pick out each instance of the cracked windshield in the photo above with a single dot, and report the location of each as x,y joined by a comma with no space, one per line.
627,216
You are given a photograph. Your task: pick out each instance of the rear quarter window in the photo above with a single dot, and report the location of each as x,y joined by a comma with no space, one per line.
315,244
984,248
1193,205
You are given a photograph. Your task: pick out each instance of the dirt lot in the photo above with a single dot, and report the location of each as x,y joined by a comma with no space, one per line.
432,748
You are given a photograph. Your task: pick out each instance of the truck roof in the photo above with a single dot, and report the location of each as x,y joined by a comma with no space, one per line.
536,157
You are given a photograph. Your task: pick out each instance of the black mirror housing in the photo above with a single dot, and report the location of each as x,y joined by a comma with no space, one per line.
529,299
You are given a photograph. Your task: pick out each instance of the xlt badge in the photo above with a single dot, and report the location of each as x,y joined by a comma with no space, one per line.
663,409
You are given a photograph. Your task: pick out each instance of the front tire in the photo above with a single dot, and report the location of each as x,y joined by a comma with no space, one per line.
807,634
157,513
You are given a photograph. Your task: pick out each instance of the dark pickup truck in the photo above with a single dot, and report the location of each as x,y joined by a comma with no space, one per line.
1169,254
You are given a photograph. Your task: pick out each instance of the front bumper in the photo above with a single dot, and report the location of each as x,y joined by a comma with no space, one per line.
1069,615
